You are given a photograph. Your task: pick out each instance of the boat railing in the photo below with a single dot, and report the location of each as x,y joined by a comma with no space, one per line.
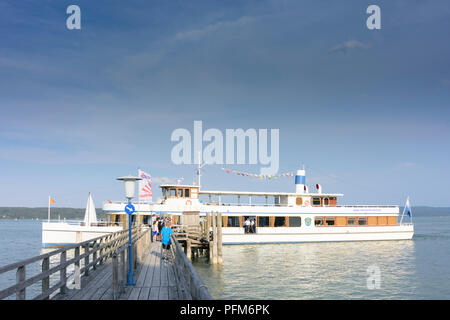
366,206
80,223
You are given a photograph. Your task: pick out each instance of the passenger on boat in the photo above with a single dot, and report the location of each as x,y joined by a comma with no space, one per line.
253,226
247,226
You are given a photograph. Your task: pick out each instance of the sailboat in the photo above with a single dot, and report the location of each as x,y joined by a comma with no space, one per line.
63,233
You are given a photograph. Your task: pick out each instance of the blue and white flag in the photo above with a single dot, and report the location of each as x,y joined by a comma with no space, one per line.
408,208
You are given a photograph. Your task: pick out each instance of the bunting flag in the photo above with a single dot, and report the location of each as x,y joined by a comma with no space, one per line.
260,176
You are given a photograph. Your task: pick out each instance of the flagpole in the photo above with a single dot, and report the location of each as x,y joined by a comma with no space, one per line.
48,209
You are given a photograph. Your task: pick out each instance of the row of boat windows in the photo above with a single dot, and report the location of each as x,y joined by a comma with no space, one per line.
179,193
266,221
318,221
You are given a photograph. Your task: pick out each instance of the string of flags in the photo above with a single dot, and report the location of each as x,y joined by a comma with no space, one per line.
260,176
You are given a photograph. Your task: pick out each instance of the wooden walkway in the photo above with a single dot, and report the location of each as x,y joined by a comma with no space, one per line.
155,280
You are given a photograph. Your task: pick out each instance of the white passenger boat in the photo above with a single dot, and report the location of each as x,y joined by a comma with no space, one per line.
301,216
64,233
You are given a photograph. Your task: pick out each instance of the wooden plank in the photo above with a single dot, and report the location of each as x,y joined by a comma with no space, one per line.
165,273
154,293
145,292
143,272
163,293
134,295
173,293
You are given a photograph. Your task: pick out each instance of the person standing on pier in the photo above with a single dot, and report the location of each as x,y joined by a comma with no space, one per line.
165,233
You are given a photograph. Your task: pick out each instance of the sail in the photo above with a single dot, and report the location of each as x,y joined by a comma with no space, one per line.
90,215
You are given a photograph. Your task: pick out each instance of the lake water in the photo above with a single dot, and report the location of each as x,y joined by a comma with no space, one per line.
408,269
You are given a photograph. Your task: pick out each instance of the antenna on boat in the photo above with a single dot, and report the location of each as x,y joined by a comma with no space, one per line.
199,168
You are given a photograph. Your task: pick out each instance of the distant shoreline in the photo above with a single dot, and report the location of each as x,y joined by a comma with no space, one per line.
24,213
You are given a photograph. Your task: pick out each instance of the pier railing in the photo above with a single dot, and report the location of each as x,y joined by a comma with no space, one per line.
87,255
192,286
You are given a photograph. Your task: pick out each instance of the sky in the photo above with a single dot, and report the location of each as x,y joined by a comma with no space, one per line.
366,111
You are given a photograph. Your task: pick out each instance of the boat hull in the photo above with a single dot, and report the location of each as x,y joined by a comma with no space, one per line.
63,234
288,235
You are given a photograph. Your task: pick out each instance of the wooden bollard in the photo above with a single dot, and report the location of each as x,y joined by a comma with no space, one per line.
188,249
219,238
208,225
214,229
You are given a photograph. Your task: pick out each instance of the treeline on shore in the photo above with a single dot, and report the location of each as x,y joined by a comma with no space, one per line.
78,213
42,213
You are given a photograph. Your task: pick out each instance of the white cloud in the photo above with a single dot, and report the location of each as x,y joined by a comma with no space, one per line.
196,34
350,44
163,180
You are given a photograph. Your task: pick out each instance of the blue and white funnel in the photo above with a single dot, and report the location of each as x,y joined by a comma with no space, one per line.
300,181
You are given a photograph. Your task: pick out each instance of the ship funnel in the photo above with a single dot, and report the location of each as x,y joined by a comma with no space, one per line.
319,188
300,181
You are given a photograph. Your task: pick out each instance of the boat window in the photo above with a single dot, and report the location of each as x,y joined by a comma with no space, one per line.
180,193
299,201
362,221
173,193
329,221
186,193
351,221
145,219
117,219
318,221
280,222
263,221
233,222
326,201
316,201
295,222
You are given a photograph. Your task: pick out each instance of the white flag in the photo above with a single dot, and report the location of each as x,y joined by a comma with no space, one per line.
145,187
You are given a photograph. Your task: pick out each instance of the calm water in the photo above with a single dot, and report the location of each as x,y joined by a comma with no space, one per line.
409,269
416,269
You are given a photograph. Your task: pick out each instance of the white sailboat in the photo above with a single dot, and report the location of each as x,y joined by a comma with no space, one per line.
60,234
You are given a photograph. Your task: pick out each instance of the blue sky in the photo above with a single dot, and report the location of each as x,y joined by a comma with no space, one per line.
367,111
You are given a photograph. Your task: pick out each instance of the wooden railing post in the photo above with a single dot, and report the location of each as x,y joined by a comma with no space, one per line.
20,276
115,276
94,255
46,280
62,273
123,273
86,260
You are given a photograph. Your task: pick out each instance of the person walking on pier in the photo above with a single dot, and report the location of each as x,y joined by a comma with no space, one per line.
166,232
160,226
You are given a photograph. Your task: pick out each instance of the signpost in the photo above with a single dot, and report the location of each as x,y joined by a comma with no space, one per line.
129,209
130,185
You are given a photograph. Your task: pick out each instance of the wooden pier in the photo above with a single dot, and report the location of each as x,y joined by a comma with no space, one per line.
99,269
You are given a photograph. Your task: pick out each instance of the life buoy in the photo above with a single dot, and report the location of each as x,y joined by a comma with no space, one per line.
188,202
307,203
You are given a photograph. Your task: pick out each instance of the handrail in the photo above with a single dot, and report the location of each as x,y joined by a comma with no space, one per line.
187,277
104,246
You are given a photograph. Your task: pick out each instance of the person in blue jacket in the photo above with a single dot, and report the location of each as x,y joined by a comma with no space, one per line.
165,233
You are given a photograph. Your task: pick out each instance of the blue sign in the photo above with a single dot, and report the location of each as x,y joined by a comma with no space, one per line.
129,208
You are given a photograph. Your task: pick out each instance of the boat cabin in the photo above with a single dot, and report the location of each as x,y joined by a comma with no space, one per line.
179,191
